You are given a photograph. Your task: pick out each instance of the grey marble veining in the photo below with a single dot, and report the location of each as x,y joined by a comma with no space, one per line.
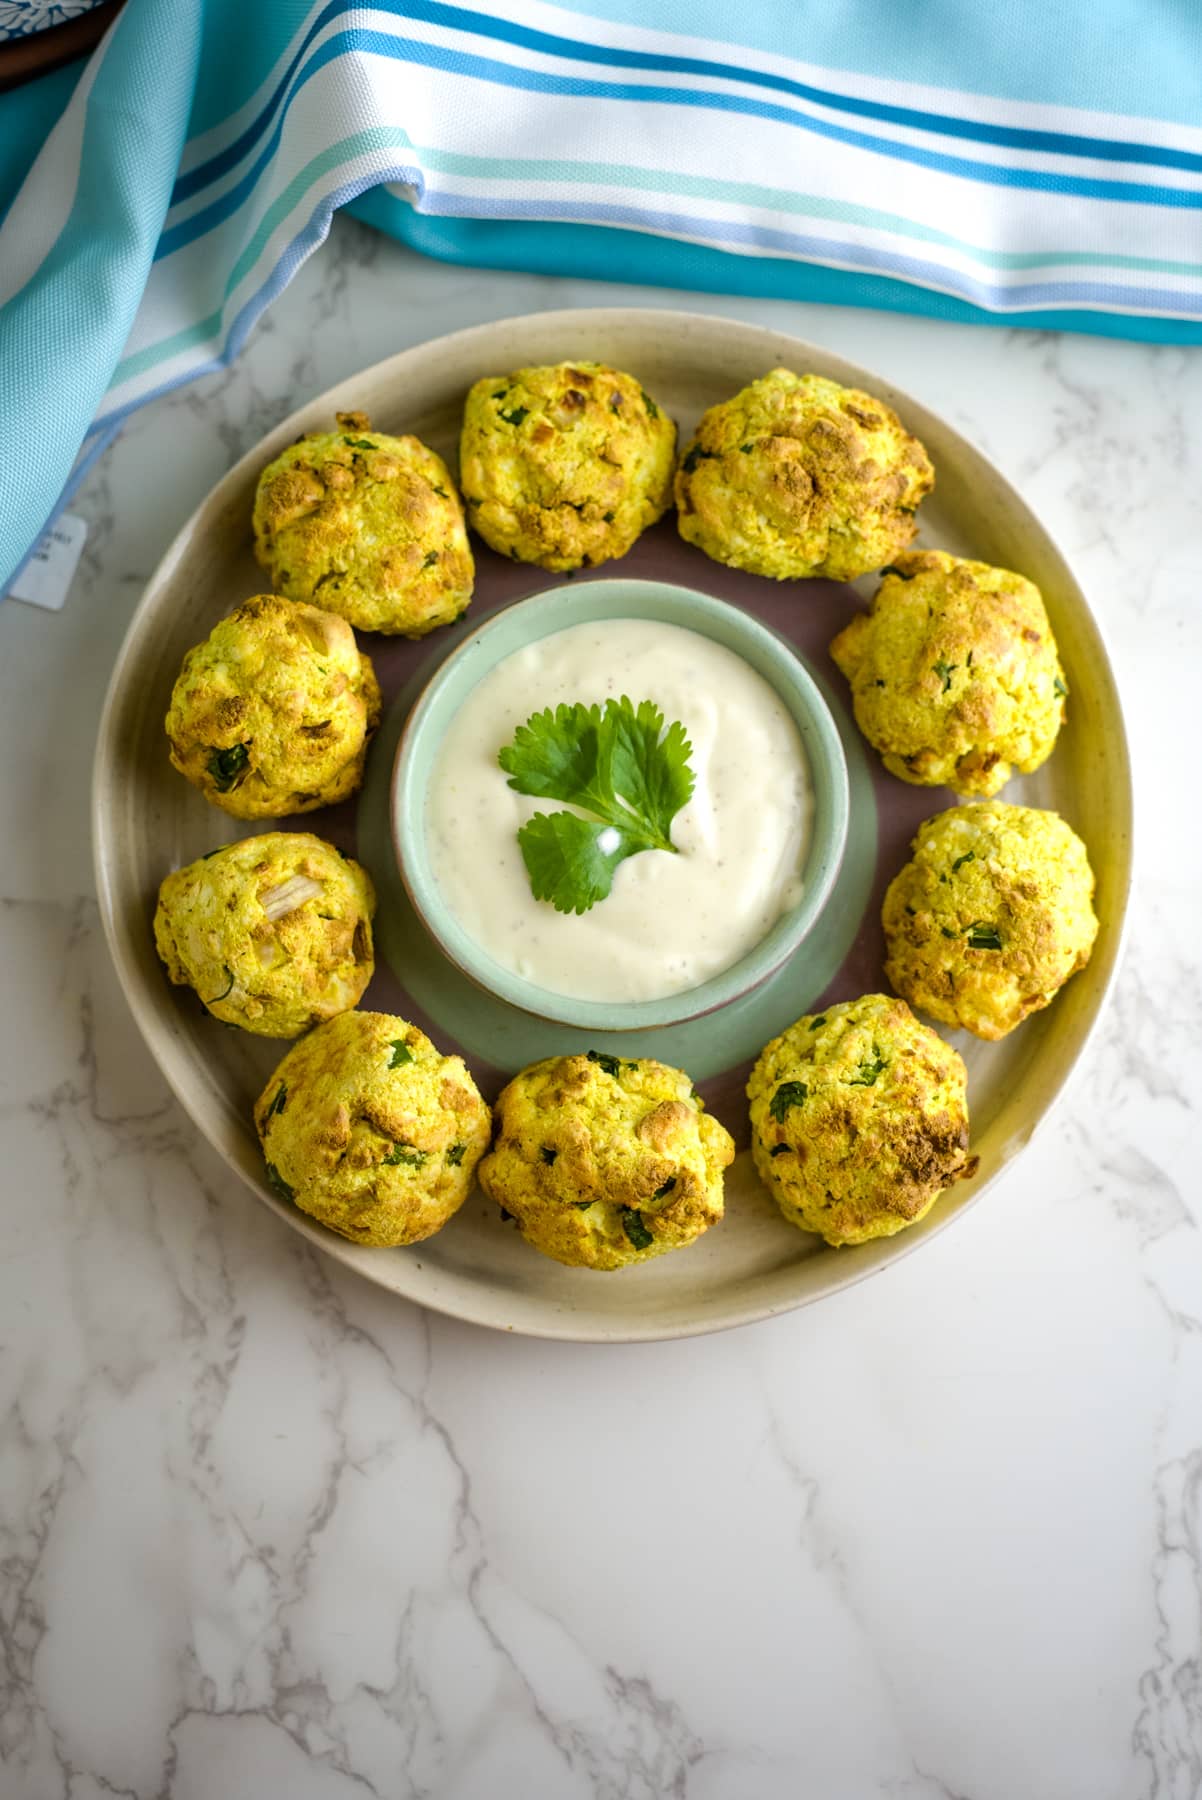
267,1534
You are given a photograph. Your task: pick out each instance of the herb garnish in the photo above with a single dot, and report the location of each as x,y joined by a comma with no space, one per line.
984,937
636,1231
788,1095
456,1154
969,856
666,1189
870,1070
621,766
225,766
225,990
696,455
649,403
1058,687
278,1185
279,1103
405,1153
946,670
611,1064
401,1053
516,416
359,443
430,558
820,1020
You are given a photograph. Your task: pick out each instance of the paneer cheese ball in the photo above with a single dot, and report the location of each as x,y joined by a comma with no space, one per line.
797,477
371,1130
273,932
954,674
605,1162
990,917
368,526
564,466
272,714
859,1120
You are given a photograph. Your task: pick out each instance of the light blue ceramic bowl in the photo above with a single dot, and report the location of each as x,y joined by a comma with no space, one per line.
523,623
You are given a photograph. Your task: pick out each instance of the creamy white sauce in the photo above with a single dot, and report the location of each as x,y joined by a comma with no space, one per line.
671,922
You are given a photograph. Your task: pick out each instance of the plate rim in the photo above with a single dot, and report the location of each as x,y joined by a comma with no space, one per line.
848,1268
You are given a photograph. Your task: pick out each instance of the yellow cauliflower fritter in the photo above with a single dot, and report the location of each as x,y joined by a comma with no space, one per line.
564,466
272,713
954,674
604,1161
990,917
796,476
859,1120
368,526
273,932
368,1128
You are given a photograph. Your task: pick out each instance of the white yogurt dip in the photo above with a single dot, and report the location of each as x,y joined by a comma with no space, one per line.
671,922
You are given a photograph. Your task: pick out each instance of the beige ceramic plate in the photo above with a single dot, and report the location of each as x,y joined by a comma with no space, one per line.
147,820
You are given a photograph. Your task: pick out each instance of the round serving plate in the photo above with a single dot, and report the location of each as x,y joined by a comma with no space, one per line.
148,820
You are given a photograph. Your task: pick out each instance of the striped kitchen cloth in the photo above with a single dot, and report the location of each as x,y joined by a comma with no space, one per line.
1034,162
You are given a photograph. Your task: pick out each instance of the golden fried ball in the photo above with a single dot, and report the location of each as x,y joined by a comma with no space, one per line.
954,673
368,526
990,917
564,466
797,476
859,1120
272,713
273,932
605,1162
368,1128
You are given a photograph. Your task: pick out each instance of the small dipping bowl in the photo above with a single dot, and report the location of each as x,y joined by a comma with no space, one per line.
450,688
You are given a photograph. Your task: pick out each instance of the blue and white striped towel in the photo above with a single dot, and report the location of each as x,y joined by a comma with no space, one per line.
1035,162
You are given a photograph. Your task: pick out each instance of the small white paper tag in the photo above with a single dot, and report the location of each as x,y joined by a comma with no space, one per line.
47,576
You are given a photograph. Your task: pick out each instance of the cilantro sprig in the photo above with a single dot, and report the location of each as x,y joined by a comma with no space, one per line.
620,766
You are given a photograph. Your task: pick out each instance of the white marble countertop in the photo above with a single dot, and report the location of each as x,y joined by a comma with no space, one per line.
268,1534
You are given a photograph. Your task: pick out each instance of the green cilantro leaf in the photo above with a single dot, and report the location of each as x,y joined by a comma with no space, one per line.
1059,688
401,1053
611,1064
359,444
279,1103
225,766
984,937
820,1020
456,1154
969,856
516,416
661,1192
225,991
649,403
620,765
278,1185
869,1071
945,671
636,1231
696,455
788,1095
406,1154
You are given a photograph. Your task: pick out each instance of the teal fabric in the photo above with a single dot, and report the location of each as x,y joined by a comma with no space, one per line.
1024,164
1142,58
593,254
